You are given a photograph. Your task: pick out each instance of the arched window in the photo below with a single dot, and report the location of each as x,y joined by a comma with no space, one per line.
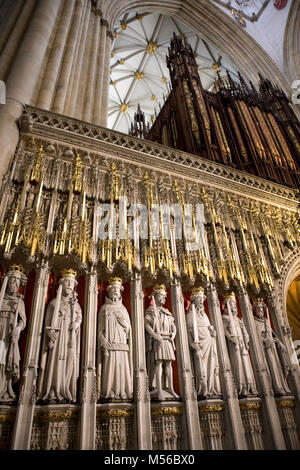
293,307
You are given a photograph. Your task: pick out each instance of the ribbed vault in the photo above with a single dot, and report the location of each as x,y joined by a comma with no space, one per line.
209,22
139,74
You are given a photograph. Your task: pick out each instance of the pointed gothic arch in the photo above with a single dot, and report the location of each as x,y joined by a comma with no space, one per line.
290,271
291,58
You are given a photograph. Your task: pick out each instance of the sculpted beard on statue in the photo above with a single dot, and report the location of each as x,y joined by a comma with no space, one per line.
115,376
274,350
12,322
160,347
61,345
202,340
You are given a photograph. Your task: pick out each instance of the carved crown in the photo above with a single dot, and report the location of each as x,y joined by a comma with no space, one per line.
197,290
258,301
115,281
16,269
159,288
230,296
69,273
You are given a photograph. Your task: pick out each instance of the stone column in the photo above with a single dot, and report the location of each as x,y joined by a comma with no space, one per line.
10,21
11,47
72,94
271,418
186,380
24,75
54,63
141,384
99,79
88,395
24,418
64,77
232,410
106,79
91,78
78,112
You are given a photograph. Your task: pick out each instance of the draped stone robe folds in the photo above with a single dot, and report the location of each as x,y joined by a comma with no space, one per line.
205,359
115,352
60,364
9,349
275,353
239,355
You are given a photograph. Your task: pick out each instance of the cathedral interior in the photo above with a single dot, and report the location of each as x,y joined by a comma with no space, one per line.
149,225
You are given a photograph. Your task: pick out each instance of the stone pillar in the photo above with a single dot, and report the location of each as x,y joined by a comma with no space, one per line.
64,77
24,75
72,94
232,409
88,395
100,70
271,417
11,47
186,380
54,63
91,78
71,84
106,80
78,112
9,22
24,418
141,384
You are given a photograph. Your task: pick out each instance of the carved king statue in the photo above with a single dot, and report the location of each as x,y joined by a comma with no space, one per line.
12,322
202,341
238,348
61,344
115,347
160,347
274,350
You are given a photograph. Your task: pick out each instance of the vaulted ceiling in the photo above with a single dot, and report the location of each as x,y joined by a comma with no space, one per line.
139,74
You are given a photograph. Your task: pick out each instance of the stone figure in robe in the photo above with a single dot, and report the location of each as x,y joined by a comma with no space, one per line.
202,341
274,350
59,369
160,347
115,371
238,348
12,322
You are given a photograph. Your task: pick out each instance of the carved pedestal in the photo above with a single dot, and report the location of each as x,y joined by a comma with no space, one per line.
251,411
212,421
55,428
7,419
114,427
286,409
167,423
